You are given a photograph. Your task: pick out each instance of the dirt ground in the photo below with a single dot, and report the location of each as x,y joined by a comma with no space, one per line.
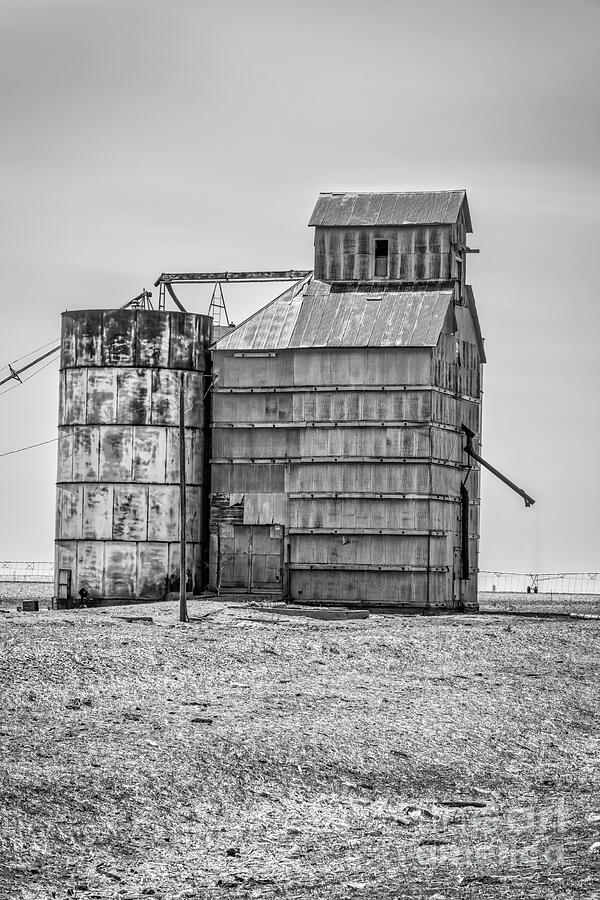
254,755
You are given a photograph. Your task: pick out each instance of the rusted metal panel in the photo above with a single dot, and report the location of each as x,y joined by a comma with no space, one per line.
130,512
68,341
165,386
193,511
120,570
69,505
119,338
407,208
149,454
193,565
97,512
85,445
90,567
133,396
89,339
74,402
152,571
153,340
64,461
194,455
163,512
116,453
194,390
101,396
186,351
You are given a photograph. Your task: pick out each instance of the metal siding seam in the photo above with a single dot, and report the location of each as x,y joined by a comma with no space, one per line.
337,320
311,336
372,309
351,322
303,317
396,338
288,324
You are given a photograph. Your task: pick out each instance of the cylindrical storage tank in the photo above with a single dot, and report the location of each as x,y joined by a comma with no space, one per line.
117,505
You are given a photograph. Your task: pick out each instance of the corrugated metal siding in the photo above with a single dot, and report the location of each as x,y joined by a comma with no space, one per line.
416,253
337,412
358,456
323,316
409,208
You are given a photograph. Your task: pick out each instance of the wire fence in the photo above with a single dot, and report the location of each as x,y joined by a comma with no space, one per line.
490,582
540,582
18,572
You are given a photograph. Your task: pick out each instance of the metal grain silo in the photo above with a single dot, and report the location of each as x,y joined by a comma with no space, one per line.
118,506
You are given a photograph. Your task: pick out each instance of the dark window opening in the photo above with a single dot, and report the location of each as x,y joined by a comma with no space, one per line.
381,259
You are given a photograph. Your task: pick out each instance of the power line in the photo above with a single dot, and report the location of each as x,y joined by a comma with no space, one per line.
61,437
23,380
37,350
31,446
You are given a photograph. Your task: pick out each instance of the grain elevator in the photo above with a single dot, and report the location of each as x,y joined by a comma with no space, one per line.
325,435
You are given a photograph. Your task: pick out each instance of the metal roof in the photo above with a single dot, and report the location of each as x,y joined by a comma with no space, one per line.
412,208
315,314
476,325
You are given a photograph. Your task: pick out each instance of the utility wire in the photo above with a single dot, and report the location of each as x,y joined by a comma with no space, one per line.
31,446
23,380
37,350
61,437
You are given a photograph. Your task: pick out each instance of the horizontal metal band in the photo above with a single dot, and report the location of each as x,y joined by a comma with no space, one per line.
144,542
344,423
366,567
128,484
360,531
120,368
371,495
340,459
341,388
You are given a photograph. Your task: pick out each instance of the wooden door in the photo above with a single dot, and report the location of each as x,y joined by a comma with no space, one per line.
267,562
234,558
250,558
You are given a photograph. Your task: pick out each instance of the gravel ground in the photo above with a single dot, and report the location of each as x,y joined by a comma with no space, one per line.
252,755
11,592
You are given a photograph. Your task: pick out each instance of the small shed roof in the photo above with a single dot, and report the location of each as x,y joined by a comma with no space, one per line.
316,314
411,208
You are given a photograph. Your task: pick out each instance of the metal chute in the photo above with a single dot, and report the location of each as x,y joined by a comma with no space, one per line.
470,451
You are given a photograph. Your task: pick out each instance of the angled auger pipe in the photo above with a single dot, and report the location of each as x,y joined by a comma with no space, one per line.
470,451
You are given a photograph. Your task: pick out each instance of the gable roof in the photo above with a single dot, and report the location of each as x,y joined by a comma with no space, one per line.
316,314
410,208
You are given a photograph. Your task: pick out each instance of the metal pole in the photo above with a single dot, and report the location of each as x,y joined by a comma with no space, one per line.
183,616
14,373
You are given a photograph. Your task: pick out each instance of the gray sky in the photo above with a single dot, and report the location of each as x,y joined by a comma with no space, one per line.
143,136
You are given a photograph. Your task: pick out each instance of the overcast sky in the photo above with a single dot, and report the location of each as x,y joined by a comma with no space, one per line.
141,136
